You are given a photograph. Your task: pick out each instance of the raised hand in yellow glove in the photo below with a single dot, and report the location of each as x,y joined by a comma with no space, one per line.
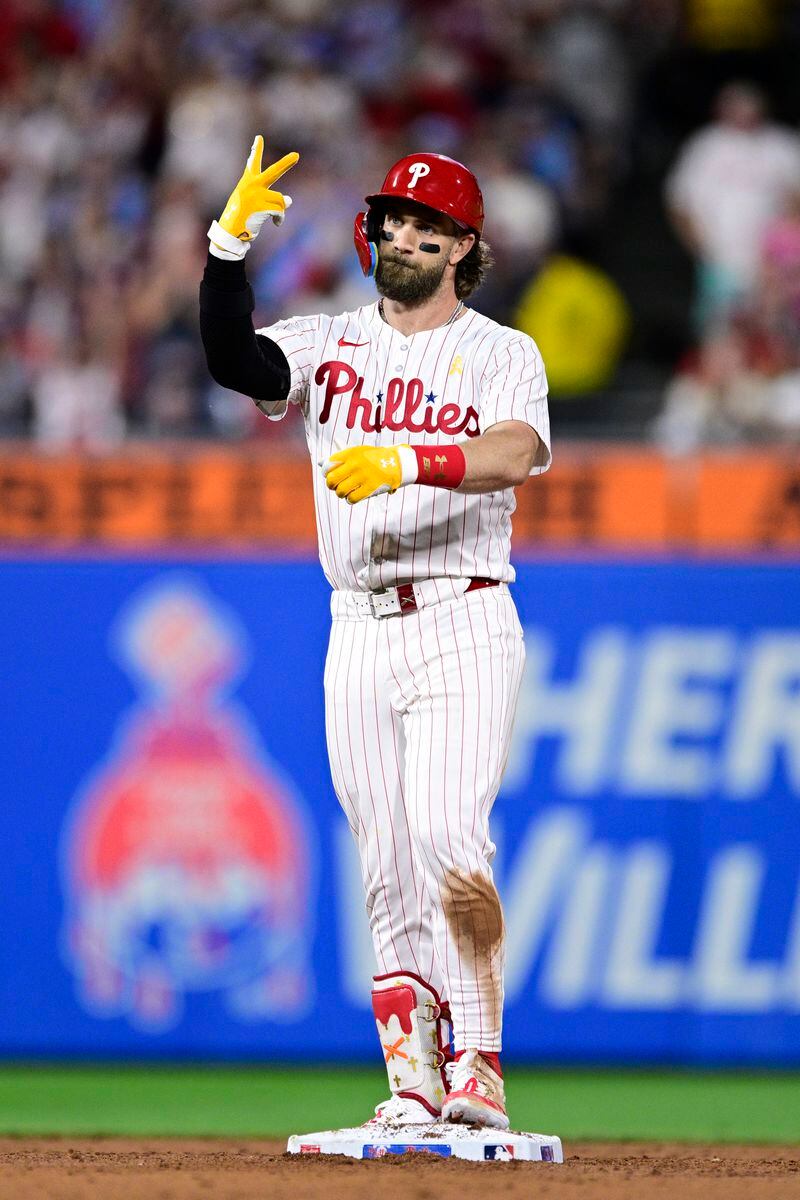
363,471
249,204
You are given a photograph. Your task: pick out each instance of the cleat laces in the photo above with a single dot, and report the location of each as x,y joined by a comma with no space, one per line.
402,1110
472,1073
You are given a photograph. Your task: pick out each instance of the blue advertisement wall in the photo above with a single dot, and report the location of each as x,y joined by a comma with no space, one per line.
177,880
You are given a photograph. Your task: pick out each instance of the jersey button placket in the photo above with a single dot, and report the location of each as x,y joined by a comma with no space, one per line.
376,543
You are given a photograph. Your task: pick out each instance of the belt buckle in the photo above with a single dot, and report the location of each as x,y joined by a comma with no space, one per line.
371,598
399,599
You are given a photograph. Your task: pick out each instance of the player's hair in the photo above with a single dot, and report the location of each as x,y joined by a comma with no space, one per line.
472,268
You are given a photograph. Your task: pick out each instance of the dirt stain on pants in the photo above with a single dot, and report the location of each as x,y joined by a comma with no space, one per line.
474,918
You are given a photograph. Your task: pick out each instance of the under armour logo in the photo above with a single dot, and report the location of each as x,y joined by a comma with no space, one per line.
417,171
386,463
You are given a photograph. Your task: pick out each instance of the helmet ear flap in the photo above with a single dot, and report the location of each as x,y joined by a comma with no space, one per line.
366,249
366,233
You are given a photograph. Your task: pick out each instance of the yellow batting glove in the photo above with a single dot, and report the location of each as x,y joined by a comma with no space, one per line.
363,471
249,204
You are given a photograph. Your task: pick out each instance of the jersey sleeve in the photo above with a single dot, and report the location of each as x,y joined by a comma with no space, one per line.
297,338
514,388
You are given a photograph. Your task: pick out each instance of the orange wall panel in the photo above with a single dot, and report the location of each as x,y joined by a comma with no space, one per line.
595,496
750,500
613,498
194,497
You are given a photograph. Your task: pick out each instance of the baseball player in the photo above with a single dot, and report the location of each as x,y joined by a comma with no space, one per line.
421,416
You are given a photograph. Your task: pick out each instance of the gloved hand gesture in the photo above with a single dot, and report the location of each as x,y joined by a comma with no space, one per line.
249,204
363,471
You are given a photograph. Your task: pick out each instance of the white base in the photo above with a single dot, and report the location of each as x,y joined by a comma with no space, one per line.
445,1140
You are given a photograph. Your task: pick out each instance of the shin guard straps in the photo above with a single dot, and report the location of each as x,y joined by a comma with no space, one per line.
414,1030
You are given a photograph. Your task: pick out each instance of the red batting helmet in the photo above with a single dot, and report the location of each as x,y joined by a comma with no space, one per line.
434,180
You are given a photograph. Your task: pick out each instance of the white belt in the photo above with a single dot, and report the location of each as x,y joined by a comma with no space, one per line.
406,598
390,601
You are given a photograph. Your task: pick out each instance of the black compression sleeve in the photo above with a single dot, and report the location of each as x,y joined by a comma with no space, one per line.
238,357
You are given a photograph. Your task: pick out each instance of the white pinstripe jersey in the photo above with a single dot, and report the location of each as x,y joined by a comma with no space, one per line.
359,381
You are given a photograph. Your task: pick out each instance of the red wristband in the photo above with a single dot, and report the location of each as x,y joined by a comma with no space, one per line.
440,466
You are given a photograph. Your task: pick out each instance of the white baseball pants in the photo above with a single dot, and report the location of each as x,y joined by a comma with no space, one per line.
419,712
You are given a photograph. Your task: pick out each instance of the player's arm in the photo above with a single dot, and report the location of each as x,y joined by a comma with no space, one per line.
500,458
238,357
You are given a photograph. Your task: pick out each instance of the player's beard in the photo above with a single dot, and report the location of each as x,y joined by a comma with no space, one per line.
408,282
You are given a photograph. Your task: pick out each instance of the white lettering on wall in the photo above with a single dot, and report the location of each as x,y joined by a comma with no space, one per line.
675,701
542,876
575,955
672,712
766,716
724,979
635,977
581,712
791,978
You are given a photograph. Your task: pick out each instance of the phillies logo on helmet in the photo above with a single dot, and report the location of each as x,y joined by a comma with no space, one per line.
417,171
186,855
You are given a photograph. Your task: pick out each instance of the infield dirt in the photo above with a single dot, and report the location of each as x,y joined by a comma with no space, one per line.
162,1169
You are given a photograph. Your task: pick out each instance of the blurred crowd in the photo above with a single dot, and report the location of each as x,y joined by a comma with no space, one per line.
734,196
124,125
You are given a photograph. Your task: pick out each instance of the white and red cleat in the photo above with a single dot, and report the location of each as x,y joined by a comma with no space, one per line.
477,1095
402,1110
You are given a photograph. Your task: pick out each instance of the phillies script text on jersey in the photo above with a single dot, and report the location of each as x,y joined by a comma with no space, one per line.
397,410
385,388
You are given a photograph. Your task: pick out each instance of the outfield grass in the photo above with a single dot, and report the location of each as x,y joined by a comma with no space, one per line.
258,1101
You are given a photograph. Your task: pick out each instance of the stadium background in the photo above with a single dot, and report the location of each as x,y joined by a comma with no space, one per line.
178,888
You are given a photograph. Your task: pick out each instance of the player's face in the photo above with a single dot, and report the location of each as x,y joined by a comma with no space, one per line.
405,272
